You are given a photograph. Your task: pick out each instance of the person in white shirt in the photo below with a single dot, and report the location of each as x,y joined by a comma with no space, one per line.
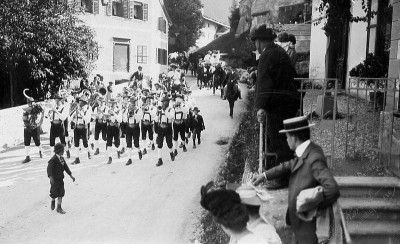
100,123
175,78
179,125
148,118
113,123
134,117
124,122
81,119
58,115
165,117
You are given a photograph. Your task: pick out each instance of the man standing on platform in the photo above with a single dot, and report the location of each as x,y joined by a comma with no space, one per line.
276,94
137,77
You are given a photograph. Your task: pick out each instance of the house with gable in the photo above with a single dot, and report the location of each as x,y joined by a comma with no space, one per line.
130,33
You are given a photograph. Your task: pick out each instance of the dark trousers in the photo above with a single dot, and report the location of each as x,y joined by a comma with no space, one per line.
231,105
57,189
305,233
124,125
147,128
80,134
132,133
66,123
113,133
100,127
57,130
164,133
179,129
196,133
35,134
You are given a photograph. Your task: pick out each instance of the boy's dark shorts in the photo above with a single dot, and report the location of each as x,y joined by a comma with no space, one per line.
57,189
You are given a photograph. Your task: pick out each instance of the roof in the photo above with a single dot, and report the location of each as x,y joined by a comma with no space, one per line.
165,12
216,21
225,43
217,10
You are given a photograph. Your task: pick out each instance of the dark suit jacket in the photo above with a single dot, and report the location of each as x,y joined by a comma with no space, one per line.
308,171
137,76
56,169
275,87
199,124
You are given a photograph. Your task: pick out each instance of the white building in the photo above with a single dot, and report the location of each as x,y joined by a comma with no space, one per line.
212,29
130,34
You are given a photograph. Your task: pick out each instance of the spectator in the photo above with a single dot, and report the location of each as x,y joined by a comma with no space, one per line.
292,49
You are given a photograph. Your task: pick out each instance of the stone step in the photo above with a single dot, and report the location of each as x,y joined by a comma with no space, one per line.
369,187
373,227
372,231
370,209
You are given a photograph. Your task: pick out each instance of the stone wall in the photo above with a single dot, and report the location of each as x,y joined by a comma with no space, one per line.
394,59
389,141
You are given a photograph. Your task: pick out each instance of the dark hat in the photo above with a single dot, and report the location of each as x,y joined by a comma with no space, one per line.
58,147
263,33
145,90
292,38
196,109
133,99
173,66
165,99
283,37
112,100
101,99
295,124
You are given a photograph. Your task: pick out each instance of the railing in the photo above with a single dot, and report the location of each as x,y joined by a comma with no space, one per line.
358,123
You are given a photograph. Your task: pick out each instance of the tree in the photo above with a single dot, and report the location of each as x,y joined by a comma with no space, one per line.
41,43
186,20
234,17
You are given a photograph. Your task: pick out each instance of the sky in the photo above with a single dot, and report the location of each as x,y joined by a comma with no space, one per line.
217,9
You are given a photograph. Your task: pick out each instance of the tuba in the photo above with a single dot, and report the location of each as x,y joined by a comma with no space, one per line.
103,91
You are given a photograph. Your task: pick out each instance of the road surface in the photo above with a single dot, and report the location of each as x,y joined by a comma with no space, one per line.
140,203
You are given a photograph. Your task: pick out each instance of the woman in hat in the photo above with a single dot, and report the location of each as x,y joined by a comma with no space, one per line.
308,170
252,199
55,172
228,211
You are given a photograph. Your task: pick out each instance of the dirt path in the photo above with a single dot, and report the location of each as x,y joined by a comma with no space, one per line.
115,203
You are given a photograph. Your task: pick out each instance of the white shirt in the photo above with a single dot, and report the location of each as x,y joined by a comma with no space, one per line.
301,148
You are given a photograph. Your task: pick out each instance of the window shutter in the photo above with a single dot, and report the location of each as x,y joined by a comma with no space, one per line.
109,8
125,5
145,12
96,6
131,9
160,23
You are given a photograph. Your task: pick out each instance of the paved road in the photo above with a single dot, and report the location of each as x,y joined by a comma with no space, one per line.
115,203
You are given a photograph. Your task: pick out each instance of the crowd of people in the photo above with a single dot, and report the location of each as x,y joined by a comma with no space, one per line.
139,119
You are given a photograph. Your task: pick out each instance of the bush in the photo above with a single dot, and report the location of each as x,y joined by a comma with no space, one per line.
372,67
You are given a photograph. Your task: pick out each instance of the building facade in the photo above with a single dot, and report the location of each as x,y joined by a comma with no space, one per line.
130,34
212,29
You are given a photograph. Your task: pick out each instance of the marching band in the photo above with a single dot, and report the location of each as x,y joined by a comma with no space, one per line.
133,118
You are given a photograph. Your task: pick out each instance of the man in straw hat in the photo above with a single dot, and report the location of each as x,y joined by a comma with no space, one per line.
32,118
165,117
276,98
81,119
55,171
58,115
308,170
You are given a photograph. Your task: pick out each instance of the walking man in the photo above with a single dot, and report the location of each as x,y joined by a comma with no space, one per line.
114,120
101,123
165,118
57,117
147,126
133,129
197,126
179,125
55,172
81,119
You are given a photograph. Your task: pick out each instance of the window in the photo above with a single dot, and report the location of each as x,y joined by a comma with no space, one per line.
121,55
162,25
297,13
161,56
140,11
118,9
142,54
